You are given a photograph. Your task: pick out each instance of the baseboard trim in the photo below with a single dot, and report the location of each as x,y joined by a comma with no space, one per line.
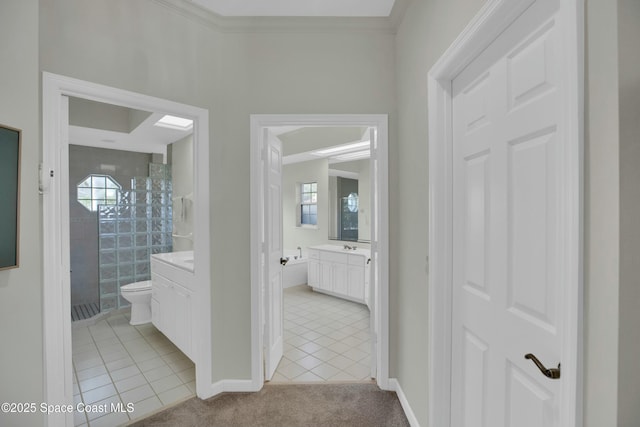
394,385
223,386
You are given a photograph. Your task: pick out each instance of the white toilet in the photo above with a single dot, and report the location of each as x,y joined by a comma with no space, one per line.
139,295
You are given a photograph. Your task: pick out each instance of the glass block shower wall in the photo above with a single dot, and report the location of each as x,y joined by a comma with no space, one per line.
129,232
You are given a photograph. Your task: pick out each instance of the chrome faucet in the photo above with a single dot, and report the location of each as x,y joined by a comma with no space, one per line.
300,249
347,247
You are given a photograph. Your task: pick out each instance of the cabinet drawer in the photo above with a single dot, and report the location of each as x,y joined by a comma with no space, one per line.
333,257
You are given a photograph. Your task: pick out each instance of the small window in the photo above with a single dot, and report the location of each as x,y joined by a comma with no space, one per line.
97,190
309,203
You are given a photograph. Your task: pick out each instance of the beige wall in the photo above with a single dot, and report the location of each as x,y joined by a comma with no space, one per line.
21,289
182,184
292,176
146,47
629,112
601,216
428,28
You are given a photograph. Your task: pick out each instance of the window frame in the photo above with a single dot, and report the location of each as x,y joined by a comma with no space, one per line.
105,200
302,204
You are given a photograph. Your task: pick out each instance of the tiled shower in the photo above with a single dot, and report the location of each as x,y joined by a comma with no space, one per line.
137,226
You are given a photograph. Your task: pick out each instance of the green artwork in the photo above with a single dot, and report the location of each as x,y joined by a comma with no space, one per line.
9,196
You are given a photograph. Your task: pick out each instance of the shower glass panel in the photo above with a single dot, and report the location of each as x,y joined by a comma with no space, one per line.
138,225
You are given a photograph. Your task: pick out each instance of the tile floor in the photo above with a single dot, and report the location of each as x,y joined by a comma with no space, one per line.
114,362
325,338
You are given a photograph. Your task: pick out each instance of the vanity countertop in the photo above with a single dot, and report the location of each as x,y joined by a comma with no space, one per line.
335,248
182,259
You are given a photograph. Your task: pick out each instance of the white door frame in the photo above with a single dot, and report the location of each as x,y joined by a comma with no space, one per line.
493,18
55,189
381,314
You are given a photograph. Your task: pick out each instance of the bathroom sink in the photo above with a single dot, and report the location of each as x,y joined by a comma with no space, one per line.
183,259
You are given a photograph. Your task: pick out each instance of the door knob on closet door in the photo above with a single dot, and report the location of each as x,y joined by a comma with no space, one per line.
553,373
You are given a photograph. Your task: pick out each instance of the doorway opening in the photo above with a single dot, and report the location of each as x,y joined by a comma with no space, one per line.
267,228
55,188
326,201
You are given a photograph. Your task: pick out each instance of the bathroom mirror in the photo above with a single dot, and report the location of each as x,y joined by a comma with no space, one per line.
9,196
349,191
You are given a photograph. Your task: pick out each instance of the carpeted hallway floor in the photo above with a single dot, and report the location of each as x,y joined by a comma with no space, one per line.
289,405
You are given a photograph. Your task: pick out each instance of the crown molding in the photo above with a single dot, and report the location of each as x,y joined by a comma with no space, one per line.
397,12
268,24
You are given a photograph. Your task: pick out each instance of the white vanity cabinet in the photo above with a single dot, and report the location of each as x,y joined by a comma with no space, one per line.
339,272
172,302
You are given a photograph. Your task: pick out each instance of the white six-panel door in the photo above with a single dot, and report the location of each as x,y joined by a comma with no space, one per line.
507,181
274,333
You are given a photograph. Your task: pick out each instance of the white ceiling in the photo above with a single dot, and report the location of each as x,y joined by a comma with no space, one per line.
345,8
145,138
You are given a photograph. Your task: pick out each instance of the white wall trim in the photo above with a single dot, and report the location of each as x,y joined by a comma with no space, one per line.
278,24
231,386
394,385
258,123
494,17
56,287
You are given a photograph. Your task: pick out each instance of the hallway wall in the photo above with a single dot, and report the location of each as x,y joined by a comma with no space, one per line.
296,69
21,288
629,101
147,46
427,30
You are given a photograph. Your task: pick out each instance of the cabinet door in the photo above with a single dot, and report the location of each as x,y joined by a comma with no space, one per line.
356,282
340,279
161,312
326,276
367,287
313,270
182,305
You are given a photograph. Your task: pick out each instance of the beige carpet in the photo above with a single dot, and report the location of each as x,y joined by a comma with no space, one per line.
289,405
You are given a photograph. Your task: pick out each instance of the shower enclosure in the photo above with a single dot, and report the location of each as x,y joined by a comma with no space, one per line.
138,225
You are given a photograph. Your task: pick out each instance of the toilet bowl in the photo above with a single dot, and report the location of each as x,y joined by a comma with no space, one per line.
139,295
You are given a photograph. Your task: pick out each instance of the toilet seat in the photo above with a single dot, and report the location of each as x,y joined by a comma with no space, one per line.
142,286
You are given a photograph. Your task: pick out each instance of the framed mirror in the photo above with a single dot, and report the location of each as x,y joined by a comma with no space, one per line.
10,140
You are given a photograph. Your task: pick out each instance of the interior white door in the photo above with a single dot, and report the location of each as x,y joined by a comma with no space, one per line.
507,291
374,271
274,331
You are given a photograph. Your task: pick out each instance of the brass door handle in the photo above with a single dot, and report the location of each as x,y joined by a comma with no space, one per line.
553,373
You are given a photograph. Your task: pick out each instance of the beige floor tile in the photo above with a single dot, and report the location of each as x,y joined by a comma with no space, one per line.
124,373
340,362
150,364
99,393
145,407
325,371
158,373
166,383
308,376
120,363
174,395
309,362
137,394
91,372
95,382
130,383
291,371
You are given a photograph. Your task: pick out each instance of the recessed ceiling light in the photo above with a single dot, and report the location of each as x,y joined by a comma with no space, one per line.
342,148
173,122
